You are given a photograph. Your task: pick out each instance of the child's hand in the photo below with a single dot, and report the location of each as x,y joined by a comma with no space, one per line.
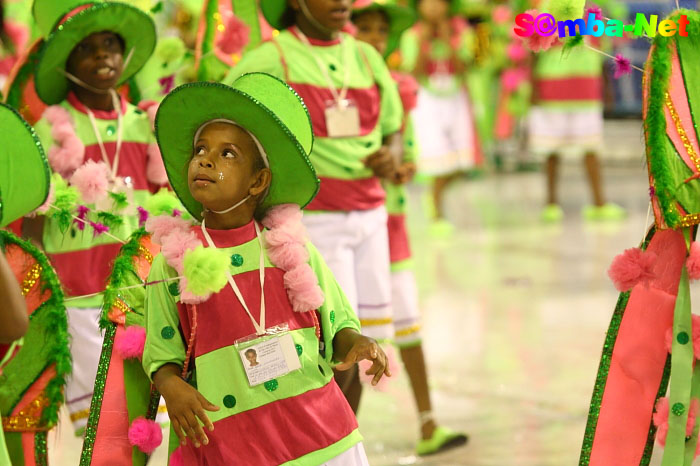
382,163
186,408
367,348
405,173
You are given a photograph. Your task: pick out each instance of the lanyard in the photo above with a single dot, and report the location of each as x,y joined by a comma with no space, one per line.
117,107
337,96
259,326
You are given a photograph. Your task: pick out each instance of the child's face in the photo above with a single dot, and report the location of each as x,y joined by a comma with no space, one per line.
373,28
98,60
225,167
434,11
331,14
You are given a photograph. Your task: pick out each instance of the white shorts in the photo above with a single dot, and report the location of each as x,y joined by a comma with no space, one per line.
355,245
86,347
568,133
445,130
404,294
354,456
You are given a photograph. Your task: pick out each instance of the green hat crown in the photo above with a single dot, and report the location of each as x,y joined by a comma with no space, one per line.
261,104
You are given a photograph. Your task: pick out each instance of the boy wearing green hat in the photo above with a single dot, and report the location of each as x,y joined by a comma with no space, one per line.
238,160
381,24
89,49
356,115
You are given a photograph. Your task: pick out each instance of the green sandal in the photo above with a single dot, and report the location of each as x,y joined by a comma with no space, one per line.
443,439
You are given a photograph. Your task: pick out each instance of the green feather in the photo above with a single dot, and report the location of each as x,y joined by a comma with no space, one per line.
205,270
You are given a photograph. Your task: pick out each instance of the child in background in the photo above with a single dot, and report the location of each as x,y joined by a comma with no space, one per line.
436,51
236,155
356,116
88,129
381,25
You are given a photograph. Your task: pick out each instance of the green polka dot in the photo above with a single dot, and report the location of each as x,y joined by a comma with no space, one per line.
229,401
167,332
410,143
678,409
236,260
271,385
174,289
683,338
111,130
368,144
332,67
73,233
332,317
138,111
402,200
300,350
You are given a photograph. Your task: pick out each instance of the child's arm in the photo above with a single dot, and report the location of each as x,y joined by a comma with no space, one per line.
13,311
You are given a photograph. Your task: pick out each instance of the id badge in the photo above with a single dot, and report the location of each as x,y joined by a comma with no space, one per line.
268,356
342,119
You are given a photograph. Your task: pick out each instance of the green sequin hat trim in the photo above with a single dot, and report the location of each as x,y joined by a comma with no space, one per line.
24,171
133,25
261,104
400,18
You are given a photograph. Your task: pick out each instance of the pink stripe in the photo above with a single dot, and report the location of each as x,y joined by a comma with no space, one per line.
93,270
28,447
399,246
638,359
584,88
307,423
317,100
133,159
346,195
111,442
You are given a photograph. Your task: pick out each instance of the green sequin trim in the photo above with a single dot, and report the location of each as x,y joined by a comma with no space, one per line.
300,349
678,409
236,260
41,457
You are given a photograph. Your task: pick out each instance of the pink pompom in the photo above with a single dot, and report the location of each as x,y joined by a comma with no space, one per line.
91,180
632,267
155,170
392,363
538,43
622,66
162,225
660,419
236,35
516,52
145,435
303,290
281,215
692,415
289,233
129,343
176,458
288,256
64,160
62,131
692,263
175,244
595,9
668,338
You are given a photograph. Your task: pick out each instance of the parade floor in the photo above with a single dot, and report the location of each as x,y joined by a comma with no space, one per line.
514,319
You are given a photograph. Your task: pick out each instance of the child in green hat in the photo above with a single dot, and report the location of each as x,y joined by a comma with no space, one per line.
356,115
245,278
381,24
102,146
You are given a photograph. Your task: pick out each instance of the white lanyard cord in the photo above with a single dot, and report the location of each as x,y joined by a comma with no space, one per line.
337,96
260,328
113,167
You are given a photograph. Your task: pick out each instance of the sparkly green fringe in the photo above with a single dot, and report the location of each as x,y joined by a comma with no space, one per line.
58,327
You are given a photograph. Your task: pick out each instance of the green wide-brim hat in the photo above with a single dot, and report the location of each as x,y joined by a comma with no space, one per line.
133,25
400,18
24,172
274,13
261,104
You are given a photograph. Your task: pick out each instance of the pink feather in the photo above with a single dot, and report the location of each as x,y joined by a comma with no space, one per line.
622,66
176,458
392,363
595,9
692,263
288,256
660,419
62,131
162,225
65,159
302,288
236,35
175,244
145,434
281,215
632,267
143,216
516,52
129,343
155,170
91,180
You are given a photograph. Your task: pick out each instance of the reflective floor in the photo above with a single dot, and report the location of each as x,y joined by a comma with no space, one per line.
514,319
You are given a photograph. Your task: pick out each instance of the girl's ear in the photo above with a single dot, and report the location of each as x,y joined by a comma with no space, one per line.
261,182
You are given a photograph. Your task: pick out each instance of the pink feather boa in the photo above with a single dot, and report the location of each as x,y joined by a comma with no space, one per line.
91,179
69,151
660,419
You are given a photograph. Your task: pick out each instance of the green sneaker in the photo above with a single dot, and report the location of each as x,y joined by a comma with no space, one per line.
440,229
443,439
552,213
607,212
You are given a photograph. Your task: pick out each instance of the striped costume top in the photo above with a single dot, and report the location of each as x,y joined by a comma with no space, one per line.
346,184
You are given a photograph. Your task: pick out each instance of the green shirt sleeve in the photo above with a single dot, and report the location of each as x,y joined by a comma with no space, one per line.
391,110
265,58
163,341
410,143
409,51
336,313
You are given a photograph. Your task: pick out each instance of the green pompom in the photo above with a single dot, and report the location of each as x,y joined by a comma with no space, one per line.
566,9
66,197
205,270
170,49
163,202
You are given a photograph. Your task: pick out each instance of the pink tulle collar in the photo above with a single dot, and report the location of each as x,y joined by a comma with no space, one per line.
229,238
99,114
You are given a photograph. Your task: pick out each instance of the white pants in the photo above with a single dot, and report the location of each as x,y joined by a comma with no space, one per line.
355,245
355,456
567,132
86,346
405,305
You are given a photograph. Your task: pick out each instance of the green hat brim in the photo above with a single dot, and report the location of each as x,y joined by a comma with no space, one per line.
400,19
129,22
274,11
189,106
24,171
